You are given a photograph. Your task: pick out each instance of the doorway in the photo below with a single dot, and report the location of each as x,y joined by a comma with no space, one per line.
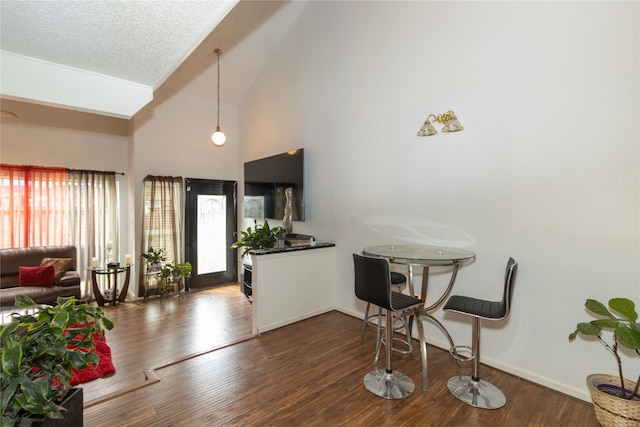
211,215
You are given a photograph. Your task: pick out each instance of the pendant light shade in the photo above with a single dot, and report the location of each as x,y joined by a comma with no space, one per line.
218,138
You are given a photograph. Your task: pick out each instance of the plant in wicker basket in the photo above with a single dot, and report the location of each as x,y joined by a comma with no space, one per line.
616,401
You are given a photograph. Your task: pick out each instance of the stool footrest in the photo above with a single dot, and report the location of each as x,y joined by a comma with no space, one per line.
456,355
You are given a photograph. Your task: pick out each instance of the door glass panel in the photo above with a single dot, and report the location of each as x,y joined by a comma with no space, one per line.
212,238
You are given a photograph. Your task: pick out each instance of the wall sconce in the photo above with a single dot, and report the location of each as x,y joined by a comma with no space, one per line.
448,120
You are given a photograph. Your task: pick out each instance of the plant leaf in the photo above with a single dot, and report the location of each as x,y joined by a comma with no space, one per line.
605,323
628,337
24,301
585,328
625,307
589,328
11,358
598,308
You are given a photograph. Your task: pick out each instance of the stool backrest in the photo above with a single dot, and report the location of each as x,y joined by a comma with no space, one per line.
509,280
372,280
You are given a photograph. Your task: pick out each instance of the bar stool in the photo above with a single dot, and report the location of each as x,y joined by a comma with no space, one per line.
471,389
373,285
398,281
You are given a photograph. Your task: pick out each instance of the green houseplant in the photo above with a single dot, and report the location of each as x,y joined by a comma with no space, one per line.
37,361
615,398
154,258
258,237
171,273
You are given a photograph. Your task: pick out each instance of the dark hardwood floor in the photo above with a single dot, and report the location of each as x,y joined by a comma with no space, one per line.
306,374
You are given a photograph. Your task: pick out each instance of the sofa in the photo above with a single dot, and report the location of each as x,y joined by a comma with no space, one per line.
42,273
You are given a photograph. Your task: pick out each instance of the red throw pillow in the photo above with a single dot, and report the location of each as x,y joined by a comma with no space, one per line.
36,276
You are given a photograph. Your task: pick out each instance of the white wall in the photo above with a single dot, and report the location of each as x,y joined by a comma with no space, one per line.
546,171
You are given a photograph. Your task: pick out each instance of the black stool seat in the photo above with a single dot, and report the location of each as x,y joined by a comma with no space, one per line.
398,278
400,301
476,307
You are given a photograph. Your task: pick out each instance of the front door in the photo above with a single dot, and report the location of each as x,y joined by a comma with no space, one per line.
210,222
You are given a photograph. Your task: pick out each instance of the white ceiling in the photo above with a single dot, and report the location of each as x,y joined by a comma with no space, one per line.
101,56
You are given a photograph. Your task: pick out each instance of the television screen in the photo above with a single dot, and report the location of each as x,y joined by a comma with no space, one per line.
265,183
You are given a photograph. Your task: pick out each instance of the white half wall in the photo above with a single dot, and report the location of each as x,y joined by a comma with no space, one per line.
292,286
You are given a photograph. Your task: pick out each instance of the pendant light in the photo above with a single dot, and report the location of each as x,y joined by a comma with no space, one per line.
218,138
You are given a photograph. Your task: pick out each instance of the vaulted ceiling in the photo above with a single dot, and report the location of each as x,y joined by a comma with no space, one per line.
108,57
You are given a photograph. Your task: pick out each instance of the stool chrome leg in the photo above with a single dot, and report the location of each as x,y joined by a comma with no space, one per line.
471,389
364,323
388,383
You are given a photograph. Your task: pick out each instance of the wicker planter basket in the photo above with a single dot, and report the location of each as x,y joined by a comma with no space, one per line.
613,411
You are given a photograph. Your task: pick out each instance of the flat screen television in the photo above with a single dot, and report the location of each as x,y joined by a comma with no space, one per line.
265,182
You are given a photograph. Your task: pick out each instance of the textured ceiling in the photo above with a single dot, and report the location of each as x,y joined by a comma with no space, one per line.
105,48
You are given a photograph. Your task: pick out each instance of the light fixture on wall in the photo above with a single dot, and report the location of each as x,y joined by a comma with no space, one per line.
218,138
448,120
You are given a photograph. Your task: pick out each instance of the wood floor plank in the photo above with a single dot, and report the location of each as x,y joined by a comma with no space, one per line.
306,374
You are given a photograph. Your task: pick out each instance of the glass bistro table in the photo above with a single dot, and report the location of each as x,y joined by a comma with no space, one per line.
424,256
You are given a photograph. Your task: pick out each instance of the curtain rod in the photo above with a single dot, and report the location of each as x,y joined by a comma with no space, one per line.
6,165
94,171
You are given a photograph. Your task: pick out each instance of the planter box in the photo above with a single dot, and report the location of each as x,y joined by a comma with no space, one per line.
73,416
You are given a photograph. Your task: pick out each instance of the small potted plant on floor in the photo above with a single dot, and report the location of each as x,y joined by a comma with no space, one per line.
40,347
615,398
172,274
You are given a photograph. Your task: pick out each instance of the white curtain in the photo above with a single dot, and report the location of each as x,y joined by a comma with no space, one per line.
93,219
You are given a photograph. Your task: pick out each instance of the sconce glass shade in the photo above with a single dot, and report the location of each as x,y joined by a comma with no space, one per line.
452,125
218,138
427,129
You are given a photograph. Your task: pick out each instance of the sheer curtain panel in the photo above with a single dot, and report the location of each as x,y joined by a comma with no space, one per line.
93,213
162,220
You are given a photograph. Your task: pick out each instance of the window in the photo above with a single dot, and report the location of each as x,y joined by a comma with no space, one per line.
34,210
55,206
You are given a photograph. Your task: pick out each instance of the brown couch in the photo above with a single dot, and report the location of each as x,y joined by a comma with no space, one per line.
10,259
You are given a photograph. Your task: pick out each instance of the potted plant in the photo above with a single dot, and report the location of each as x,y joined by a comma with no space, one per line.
39,351
154,258
615,399
258,237
173,273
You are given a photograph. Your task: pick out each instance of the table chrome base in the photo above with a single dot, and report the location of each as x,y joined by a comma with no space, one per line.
479,394
393,385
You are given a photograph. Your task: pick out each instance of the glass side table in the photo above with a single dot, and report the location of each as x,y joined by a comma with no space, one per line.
107,291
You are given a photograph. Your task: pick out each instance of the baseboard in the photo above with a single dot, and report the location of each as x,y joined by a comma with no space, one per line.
524,375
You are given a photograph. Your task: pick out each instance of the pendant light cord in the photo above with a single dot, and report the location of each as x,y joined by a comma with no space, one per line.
218,52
